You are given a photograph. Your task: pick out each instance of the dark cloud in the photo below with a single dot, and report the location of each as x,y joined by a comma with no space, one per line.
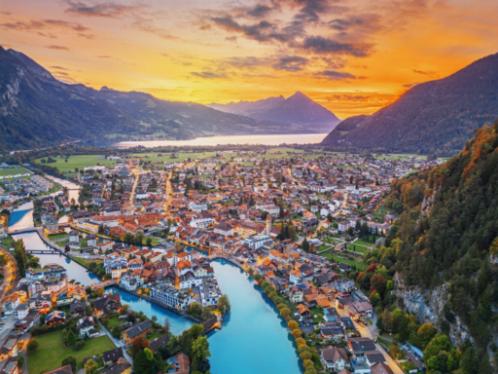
424,72
320,44
336,75
41,27
357,23
206,74
58,67
57,47
262,31
290,63
105,9
259,10
247,62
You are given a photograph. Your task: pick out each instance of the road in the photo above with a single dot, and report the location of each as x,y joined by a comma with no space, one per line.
118,343
168,193
7,325
370,331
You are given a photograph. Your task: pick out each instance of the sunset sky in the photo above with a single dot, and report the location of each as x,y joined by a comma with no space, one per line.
352,56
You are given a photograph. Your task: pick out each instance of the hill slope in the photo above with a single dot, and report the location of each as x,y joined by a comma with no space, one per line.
297,111
38,110
433,117
446,240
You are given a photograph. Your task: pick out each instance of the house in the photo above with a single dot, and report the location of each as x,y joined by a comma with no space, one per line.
22,311
107,304
9,367
120,367
381,368
159,343
77,307
9,348
330,315
359,346
179,364
86,327
112,356
334,358
332,330
55,318
374,357
91,240
137,330
74,237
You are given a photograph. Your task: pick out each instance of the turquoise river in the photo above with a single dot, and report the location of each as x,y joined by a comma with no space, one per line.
253,339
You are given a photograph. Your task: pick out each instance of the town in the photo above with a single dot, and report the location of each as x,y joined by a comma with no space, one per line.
299,223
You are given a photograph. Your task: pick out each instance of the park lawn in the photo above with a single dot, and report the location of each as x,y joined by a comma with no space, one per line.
59,238
85,261
77,162
51,351
335,257
359,248
154,241
113,322
13,170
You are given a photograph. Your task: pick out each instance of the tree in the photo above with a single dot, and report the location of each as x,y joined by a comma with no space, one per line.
70,360
195,310
200,354
146,362
32,345
424,334
223,304
306,245
20,257
90,367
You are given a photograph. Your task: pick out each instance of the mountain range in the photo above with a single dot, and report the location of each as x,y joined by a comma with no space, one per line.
433,117
37,110
296,110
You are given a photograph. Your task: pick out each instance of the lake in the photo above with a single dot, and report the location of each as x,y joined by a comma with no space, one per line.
272,139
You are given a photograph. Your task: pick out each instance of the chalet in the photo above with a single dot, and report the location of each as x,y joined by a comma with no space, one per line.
107,304
179,364
334,358
112,356
332,331
137,330
359,346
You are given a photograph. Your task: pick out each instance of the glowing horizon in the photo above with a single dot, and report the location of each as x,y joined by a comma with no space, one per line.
351,56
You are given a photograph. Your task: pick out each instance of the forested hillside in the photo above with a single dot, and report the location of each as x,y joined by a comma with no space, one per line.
446,245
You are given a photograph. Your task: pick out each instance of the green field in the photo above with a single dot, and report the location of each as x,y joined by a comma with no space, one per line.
68,166
61,239
357,262
172,157
399,156
51,351
360,246
12,170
